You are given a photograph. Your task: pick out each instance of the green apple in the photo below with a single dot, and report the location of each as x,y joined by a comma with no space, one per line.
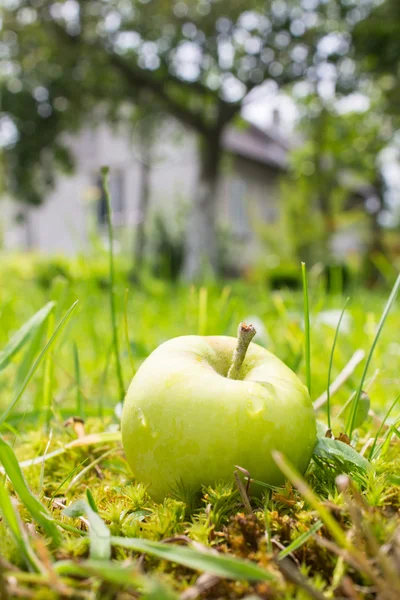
186,423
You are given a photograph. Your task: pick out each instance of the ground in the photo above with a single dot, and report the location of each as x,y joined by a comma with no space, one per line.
334,533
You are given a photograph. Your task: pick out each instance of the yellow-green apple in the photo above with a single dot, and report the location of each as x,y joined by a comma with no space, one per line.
198,406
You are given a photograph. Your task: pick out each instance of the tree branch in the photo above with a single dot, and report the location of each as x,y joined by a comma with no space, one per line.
138,79
135,76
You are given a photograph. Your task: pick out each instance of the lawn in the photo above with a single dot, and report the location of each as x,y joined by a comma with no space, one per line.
317,537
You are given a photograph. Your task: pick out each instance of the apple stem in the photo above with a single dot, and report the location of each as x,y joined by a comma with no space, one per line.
245,335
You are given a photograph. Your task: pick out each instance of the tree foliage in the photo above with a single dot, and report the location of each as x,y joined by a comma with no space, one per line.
377,47
336,168
68,63
80,62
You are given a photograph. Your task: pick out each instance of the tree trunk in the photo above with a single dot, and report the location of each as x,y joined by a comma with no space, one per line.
143,206
201,252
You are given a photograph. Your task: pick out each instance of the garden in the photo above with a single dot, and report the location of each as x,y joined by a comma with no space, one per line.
199,307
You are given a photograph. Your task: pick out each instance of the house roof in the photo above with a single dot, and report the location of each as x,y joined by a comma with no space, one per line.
268,147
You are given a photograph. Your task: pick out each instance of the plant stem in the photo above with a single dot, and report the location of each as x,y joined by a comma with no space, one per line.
121,386
245,335
328,389
306,325
243,493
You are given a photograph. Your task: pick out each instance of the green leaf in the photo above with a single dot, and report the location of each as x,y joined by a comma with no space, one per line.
340,455
221,565
38,512
139,515
362,411
21,336
12,520
99,534
38,361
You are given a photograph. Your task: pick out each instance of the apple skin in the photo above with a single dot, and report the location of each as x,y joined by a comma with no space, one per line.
184,423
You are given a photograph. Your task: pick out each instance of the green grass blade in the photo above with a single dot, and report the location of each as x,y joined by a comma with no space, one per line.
32,504
11,518
112,285
396,432
362,413
99,534
273,488
381,323
126,328
307,339
300,540
328,393
31,352
22,335
296,479
221,565
91,500
203,301
36,364
67,478
48,379
88,467
103,381
385,444
42,466
79,399
372,451
120,575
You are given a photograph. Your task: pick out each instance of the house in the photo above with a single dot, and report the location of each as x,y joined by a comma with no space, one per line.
75,210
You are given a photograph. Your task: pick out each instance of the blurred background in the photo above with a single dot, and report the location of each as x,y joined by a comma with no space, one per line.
242,137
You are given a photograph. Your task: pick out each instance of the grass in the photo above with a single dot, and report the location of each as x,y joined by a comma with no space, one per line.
319,536
307,338
328,385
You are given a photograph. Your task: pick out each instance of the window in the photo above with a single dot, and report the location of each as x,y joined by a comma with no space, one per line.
117,193
238,213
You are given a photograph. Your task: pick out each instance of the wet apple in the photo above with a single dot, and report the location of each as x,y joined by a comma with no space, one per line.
186,423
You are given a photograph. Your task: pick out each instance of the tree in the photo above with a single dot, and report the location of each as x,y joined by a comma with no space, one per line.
377,48
87,59
337,166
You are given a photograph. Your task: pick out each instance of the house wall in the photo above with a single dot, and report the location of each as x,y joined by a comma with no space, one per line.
248,193
64,222
249,202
